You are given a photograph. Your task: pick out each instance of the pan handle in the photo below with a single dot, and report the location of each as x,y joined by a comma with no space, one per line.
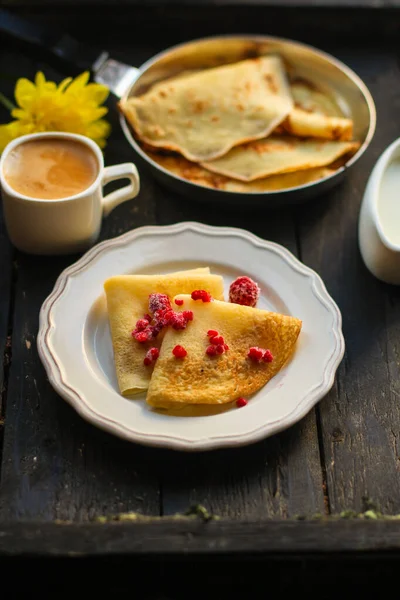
67,53
53,45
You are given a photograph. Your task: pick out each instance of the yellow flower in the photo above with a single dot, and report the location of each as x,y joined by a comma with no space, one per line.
73,106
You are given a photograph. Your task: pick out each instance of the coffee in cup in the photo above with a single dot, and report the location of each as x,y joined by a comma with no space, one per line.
52,191
50,168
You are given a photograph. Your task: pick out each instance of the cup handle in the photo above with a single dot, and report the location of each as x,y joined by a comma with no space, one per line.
124,171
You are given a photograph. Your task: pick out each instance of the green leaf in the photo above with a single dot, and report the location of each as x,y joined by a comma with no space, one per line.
6,102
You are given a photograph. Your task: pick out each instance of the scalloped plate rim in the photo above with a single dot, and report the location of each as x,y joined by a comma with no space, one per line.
53,371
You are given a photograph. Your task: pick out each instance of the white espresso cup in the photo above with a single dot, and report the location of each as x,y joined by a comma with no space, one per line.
63,225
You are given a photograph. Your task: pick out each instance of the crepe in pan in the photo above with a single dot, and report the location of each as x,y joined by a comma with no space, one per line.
278,154
204,114
196,174
316,114
127,301
202,379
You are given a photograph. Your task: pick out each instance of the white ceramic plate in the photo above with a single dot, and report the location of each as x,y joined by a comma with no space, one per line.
75,347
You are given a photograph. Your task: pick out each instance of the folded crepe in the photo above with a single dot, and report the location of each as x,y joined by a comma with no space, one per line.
178,165
127,301
311,98
315,114
204,114
202,379
278,154
304,124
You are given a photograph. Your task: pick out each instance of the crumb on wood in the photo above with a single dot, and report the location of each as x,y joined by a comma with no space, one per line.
194,511
28,344
370,511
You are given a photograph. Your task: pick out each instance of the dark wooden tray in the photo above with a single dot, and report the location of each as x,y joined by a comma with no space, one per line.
281,501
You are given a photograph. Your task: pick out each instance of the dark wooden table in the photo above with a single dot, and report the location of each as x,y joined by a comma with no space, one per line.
344,455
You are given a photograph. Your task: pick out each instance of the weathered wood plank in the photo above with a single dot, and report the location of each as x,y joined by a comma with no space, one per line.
185,22
286,488
279,477
56,466
186,537
6,302
6,291
361,416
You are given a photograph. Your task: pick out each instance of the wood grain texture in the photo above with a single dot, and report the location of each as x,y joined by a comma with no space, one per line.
361,416
55,465
7,274
277,478
6,292
147,25
168,537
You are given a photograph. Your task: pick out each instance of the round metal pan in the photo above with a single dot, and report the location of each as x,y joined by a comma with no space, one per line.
306,62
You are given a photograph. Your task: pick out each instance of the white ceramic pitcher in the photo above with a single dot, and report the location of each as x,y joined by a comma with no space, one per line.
379,220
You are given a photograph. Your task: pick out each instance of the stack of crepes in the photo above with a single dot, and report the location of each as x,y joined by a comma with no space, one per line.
198,378
242,127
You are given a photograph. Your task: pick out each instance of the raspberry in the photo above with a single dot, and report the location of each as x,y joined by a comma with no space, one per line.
179,352
212,332
244,291
201,295
256,353
154,330
226,347
178,321
178,302
267,356
211,350
240,402
217,339
142,336
158,302
151,356
141,324
163,317
216,349
188,315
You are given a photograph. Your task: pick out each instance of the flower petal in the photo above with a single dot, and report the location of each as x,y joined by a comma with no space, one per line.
40,79
96,92
78,83
12,130
64,84
25,91
98,131
20,113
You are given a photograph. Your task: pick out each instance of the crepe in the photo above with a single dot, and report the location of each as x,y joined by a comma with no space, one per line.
315,114
196,174
304,124
313,99
127,301
204,114
202,379
278,154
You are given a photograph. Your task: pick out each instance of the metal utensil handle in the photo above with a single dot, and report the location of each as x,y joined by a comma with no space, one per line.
55,45
68,53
